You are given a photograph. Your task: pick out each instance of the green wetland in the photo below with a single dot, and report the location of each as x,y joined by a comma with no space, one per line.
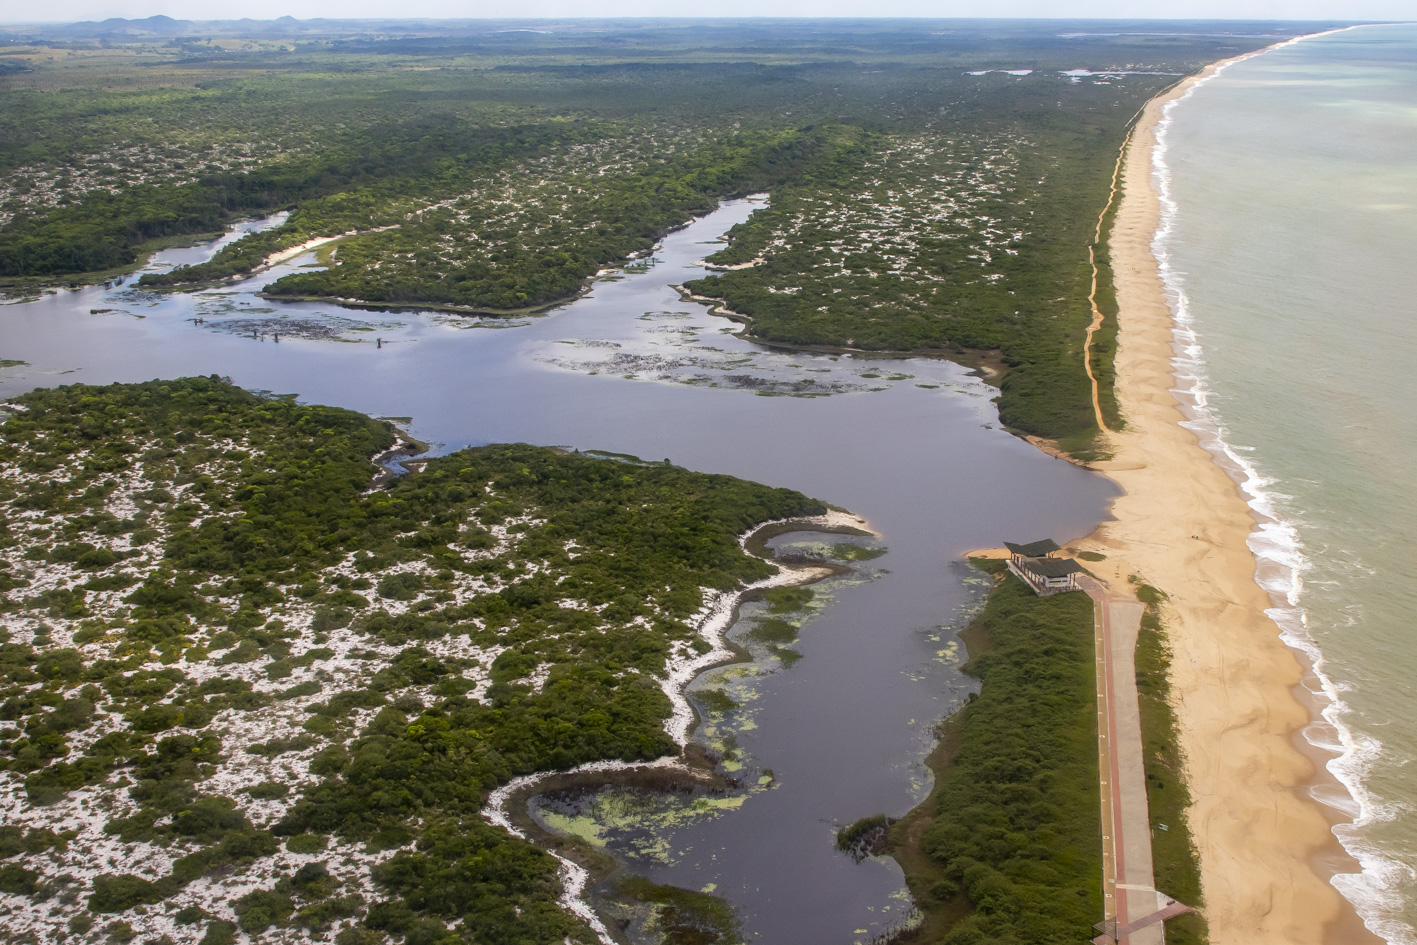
925,199
248,695
846,683
1006,846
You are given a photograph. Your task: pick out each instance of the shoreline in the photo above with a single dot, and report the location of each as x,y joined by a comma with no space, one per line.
1266,846
988,365
290,252
713,623
14,289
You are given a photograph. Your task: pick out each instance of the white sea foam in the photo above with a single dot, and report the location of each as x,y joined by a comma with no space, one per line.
1281,563
1278,546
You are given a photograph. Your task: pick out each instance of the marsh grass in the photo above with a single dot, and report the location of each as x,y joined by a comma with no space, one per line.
1008,845
847,551
683,916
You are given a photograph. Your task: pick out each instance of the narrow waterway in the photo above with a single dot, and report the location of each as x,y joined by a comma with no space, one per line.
912,445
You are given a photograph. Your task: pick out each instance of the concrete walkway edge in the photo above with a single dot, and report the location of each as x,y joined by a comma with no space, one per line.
1128,884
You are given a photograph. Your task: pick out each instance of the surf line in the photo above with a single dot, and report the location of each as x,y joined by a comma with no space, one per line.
713,621
1097,316
1276,543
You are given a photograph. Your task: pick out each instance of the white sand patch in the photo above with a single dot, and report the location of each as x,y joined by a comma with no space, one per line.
712,622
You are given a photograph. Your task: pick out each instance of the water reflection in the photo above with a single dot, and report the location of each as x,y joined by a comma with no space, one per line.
840,726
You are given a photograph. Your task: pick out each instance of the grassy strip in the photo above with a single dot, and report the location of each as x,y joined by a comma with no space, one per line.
1103,353
1006,847
1174,858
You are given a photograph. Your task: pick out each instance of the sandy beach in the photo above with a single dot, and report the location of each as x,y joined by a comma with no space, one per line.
1266,849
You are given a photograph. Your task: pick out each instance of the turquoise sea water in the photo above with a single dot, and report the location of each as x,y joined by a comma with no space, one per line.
1289,245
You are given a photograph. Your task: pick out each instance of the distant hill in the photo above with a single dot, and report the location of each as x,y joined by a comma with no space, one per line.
161,26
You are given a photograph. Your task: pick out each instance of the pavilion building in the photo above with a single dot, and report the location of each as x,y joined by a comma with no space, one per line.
1034,564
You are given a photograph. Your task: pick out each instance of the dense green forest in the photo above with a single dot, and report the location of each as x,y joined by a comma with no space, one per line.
1007,847
936,242
242,689
921,198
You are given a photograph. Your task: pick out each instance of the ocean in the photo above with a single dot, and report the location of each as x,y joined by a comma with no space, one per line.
1289,249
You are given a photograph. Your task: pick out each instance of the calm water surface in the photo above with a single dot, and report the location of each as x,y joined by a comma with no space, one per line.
912,445
1292,242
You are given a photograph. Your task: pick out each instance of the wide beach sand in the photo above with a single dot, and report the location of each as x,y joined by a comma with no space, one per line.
1266,849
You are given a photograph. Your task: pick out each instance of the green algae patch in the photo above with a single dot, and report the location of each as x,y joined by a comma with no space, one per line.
583,828
682,916
729,802
846,551
635,822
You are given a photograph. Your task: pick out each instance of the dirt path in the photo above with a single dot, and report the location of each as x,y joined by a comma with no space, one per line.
1092,293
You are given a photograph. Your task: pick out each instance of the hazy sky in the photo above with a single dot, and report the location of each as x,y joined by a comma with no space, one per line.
68,10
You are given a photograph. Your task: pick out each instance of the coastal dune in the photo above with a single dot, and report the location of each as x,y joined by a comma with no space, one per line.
1266,848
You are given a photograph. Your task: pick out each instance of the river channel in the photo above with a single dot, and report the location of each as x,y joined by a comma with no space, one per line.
912,445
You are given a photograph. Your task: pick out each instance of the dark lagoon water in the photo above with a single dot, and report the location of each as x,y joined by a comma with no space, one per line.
912,445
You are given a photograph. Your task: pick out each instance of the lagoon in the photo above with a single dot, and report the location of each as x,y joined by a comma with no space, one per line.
913,445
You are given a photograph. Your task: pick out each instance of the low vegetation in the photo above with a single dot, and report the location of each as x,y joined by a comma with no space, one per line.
1007,848
682,916
1104,340
242,692
1174,857
921,199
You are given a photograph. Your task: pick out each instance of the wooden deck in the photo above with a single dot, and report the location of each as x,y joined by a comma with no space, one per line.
1113,933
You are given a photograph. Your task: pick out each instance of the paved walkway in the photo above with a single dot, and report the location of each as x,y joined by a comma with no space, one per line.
1126,824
